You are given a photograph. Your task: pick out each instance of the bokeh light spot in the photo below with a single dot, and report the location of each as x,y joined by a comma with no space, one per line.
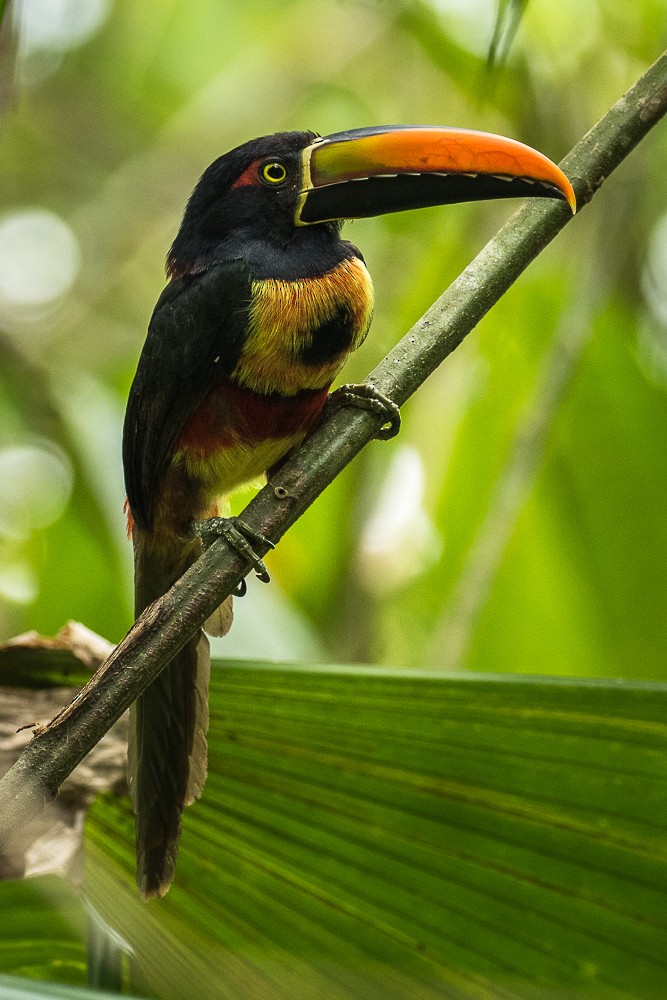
654,279
18,583
59,24
39,261
399,539
35,486
469,22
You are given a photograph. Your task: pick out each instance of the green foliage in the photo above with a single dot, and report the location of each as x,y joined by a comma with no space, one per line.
364,834
388,833
43,933
384,833
12,988
110,134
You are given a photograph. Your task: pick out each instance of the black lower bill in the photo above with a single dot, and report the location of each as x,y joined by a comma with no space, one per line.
372,196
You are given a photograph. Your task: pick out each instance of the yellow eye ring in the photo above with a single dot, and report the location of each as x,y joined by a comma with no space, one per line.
273,172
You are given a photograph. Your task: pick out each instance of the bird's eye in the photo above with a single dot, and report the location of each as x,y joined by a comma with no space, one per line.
273,172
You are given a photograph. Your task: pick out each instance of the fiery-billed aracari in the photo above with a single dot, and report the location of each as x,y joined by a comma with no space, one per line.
264,303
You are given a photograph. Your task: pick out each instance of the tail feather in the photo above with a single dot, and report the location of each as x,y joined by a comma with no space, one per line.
168,724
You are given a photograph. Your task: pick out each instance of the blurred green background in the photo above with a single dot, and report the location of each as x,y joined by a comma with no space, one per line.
518,522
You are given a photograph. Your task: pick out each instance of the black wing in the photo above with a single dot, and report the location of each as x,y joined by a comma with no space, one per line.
195,337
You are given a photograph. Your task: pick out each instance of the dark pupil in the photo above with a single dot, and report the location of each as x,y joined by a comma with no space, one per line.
275,171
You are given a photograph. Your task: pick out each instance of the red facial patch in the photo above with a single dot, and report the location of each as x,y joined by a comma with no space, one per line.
248,177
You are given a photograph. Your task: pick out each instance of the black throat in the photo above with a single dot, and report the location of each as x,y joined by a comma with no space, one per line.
303,253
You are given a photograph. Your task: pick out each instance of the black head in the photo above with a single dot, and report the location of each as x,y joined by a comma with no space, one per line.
247,195
286,194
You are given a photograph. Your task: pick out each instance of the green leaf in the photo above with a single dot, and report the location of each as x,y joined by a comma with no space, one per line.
391,834
13,988
45,936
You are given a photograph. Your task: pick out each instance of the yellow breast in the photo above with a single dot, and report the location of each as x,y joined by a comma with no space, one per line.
286,316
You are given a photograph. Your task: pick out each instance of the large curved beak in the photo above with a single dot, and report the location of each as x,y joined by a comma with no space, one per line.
370,171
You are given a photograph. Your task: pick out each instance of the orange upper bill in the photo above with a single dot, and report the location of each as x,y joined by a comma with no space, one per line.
362,154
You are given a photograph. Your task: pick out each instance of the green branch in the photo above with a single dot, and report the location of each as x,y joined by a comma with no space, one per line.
167,625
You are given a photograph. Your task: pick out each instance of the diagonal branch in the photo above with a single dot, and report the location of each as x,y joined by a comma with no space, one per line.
168,624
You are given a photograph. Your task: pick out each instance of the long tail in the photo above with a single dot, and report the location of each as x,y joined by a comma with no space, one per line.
168,725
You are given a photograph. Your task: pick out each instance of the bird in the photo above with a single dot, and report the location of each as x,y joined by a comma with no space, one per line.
263,304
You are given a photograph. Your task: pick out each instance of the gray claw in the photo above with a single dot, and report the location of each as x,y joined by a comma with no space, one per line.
239,535
365,396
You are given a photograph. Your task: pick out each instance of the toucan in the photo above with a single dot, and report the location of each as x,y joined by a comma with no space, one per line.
264,303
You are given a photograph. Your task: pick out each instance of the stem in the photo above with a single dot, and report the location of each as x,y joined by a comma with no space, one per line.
455,632
164,628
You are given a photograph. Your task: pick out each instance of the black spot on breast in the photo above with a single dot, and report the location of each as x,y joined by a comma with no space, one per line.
329,340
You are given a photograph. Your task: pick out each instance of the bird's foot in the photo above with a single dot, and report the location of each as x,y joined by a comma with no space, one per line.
240,536
366,397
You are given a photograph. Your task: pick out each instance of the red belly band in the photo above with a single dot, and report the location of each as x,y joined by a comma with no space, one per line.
232,414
